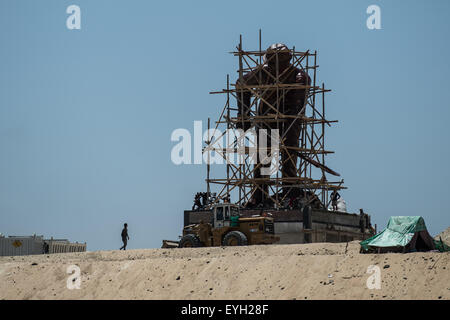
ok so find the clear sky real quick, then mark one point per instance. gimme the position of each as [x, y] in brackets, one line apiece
[86, 115]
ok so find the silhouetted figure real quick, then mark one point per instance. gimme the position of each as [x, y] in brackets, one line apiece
[292, 202]
[335, 196]
[204, 199]
[46, 247]
[197, 204]
[125, 237]
[251, 203]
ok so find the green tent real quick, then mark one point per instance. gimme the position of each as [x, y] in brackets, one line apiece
[402, 234]
[441, 246]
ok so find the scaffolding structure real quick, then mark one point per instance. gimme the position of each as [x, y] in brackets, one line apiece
[311, 170]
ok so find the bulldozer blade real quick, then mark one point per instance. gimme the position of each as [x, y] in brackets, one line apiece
[169, 244]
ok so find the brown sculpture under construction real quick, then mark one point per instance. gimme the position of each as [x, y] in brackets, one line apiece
[276, 89]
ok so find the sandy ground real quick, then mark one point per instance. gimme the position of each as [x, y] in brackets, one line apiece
[444, 235]
[303, 271]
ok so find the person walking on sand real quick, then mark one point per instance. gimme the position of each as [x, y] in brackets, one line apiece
[125, 237]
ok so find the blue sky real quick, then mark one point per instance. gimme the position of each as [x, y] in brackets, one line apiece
[86, 115]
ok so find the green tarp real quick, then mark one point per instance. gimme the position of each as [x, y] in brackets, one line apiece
[402, 233]
[441, 246]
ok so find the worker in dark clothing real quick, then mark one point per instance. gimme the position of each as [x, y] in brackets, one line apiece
[292, 202]
[46, 247]
[251, 203]
[335, 196]
[197, 204]
[204, 199]
[125, 237]
[277, 62]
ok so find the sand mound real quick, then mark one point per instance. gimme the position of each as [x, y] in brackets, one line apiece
[445, 235]
[306, 271]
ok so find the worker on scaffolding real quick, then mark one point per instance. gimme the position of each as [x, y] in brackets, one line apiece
[197, 204]
[335, 196]
[277, 68]
[204, 196]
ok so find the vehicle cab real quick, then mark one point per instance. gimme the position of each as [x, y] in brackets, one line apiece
[223, 213]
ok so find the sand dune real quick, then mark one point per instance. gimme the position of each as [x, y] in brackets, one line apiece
[304, 271]
[444, 235]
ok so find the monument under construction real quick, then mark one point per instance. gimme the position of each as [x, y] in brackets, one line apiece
[278, 90]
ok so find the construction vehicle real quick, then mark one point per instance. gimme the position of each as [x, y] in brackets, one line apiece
[227, 228]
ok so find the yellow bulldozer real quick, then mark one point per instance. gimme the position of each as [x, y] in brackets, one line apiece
[227, 228]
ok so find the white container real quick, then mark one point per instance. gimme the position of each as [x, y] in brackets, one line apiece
[20, 245]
